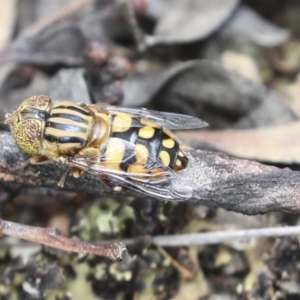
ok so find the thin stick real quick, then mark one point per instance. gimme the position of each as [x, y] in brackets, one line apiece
[187, 273]
[137, 32]
[51, 237]
[63, 13]
[216, 237]
[20, 49]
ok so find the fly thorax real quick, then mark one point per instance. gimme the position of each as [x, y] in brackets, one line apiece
[67, 129]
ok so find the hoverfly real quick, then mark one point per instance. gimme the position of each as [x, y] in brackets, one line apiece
[126, 148]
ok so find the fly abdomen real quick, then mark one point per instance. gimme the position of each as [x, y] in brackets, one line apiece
[143, 146]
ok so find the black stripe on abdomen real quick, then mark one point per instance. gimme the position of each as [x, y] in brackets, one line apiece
[152, 145]
[129, 138]
[153, 148]
[173, 152]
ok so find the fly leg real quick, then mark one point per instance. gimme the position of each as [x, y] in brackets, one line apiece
[109, 183]
[63, 178]
[36, 160]
[76, 172]
[84, 158]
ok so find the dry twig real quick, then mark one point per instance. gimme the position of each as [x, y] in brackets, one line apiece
[51, 237]
[44, 23]
[184, 271]
[137, 32]
[218, 180]
[217, 237]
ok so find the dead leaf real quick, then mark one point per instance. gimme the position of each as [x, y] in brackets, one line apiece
[69, 84]
[247, 24]
[241, 64]
[227, 98]
[7, 17]
[280, 144]
[292, 93]
[190, 20]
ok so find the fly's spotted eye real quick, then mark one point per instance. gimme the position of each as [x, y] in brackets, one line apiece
[41, 103]
[27, 134]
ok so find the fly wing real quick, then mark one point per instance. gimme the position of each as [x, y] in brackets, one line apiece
[170, 188]
[150, 177]
[171, 121]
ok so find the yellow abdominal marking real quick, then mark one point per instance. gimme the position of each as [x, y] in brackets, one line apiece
[114, 153]
[165, 157]
[178, 163]
[141, 153]
[138, 171]
[180, 153]
[146, 132]
[121, 123]
[168, 143]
